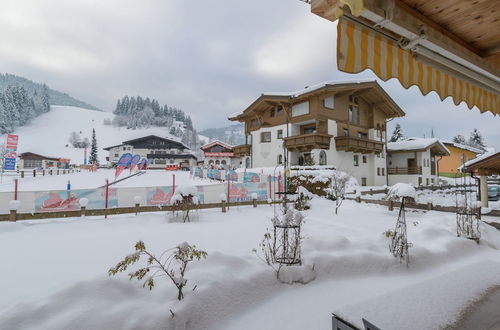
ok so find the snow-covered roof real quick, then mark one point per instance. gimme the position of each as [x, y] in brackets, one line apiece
[309, 89]
[208, 145]
[479, 158]
[413, 144]
[463, 146]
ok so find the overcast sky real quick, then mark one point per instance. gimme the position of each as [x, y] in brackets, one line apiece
[209, 57]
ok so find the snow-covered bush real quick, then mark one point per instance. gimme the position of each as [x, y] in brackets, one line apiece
[336, 191]
[316, 184]
[401, 190]
[172, 263]
[183, 202]
[303, 199]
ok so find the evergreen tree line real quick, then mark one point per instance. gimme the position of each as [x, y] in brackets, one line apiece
[18, 107]
[138, 112]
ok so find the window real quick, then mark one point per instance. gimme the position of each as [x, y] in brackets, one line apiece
[265, 137]
[362, 135]
[322, 157]
[211, 162]
[247, 162]
[124, 148]
[116, 155]
[32, 163]
[279, 110]
[346, 131]
[309, 130]
[383, 171]
[356, 160]
[223, 162]
[172, 161]
[162, 161]
[217, 162]
[354, 113]
[280, 134]
[364, 159]
[378, 171]
[273, 113]
[280, 159]
[427, 181]
[363, 181]
[419, 180]
[300, 109]
[329, 102]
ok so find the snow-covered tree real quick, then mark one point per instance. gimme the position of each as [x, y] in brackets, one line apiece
[460, 139]
[476, 140]
[397, 134]
[93, 159]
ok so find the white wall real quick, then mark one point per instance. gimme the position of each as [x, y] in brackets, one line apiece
[265, 154]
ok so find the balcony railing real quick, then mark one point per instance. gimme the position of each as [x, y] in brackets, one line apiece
[404, 170]
[307, 142]
[354, 144]
[242, 150]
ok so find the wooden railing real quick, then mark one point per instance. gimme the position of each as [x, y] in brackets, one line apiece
[354, 144]
[307, 142]
[242, 150]
[404, 170]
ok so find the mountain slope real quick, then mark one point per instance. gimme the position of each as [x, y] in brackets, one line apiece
[49, 133]
[56, 97]
[231, 134]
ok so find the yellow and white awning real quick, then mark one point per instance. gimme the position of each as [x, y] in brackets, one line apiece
[360, 47]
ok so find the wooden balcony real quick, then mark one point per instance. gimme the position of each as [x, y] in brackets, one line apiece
[307, 142]
[242, 150]
[404, 170]
[354, 144]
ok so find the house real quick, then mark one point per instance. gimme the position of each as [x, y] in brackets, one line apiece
[415, 161]
[341, 124]
[159, 150]
[218, 153]
[31, 160]
[459, 154]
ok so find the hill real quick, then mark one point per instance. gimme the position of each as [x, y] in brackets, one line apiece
[56, 97]
[49, 133]
[233, 134]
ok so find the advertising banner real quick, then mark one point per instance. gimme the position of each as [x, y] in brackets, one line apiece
[159, 195]
[243, 191]
[10, 152]
[123, 162]
[63, 200]
[251, 177]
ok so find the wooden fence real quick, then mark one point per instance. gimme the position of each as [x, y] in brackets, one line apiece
[14, 216]
[432, 188]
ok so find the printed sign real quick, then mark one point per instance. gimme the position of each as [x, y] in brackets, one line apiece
[243, 191]
[159, 195]
[251, 177]
[10, 152]
[63, 200]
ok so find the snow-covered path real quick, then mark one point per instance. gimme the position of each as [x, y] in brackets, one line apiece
[57, 272]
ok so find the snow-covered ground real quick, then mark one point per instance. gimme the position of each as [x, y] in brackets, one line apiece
[90, 180]
[49, 133]
[54, 272]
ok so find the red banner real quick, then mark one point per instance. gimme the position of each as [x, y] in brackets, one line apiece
[219, 154]
[12, 141]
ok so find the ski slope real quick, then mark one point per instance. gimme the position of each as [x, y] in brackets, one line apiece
[49, 133]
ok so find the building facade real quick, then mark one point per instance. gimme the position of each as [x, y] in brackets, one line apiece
[219, 154]
[415, 161]
[459, 154]
[160, 151]
[339, 124]
[30, 160]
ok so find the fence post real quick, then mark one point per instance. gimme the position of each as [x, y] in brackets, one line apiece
[15, 188]
[13, 215]
[270, 188]
[391, 205]
[22, 174]
[358, 199]
[50, 172]
[429, 205]
[34, 172]
[106, 200]
[228, 190]
[82, 211]
[68, 188]
[43, 172]
[254, 202]
[173, 184]
[57, 172]
[223, 206]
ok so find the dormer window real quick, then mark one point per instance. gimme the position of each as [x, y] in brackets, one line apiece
[279, 110]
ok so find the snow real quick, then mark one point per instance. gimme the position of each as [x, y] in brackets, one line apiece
[14, 205]
[187, 189]
[478, 158]
[402, 190]
[463, 146]
[49, 133]
[414, 144]
[83, 202]
[65, 283]
[314, 87]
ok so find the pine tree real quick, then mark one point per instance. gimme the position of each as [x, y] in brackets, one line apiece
[460, 139]
[397, 134]
[93, 159]
[476, 140]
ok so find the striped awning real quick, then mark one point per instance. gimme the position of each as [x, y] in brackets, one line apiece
[360, 47]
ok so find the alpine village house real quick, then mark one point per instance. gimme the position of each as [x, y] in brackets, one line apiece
[341, 124]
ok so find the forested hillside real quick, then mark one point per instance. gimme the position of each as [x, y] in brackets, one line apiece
[56, 97]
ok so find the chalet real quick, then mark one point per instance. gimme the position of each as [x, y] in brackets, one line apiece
[415, 161]
[218, 153]
[459, 154]
[160, 151]
[30, 160]
[341, 124]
